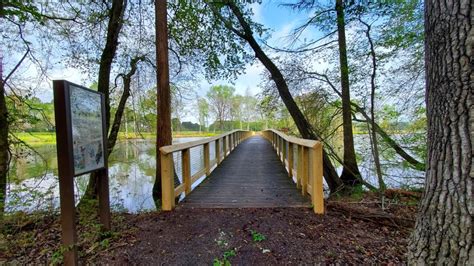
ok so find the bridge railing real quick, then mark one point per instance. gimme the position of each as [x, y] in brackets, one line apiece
[224, 144]
[303, 160]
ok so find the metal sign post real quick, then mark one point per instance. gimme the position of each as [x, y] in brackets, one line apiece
[81, 140]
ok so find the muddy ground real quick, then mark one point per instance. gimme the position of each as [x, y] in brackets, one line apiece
[350, 232]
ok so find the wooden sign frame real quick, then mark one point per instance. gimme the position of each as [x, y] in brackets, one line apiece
[67, 166]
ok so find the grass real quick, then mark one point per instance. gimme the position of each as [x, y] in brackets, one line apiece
[50, 137]
[37, 137]
[256, 236]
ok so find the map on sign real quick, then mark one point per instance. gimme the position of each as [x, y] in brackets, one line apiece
[87, 131]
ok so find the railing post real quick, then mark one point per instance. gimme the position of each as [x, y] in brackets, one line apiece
[317, 195]
[167, 184]
[234, 141]
[305, 169]
[284, 153]
[276, 143]
[207, 159]
[299, 172]
[218, 152]
[225, 146]
[186, 170]
[279, 147]
[290, 159]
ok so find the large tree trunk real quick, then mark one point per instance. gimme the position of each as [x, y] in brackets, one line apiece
[305, 129]
[113, 30]
[163, 134]
[443, 231]
[3, 144]
[350, 172]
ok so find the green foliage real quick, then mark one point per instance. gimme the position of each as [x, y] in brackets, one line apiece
[218, 262]
[203, 110]
[256, 236]
[200, 36]
[225, 258]
[229, 254]
[58, 256]
[29, 114]
[23, 10]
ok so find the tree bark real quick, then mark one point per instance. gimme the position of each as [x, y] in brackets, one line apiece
[385, 137]
[305, 129]
[443, 232]
[163, 134]
[350, 172]
[4, 155]
[113, 30]
[373, 134]
[388, 140]
[127, 80]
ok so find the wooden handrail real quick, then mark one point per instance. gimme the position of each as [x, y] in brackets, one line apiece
[229, 141]
[299, 141]
[195, 143]
[309, 159]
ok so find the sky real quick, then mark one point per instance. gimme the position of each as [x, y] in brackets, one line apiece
[279, 20]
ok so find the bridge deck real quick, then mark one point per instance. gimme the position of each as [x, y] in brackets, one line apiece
[251, 176]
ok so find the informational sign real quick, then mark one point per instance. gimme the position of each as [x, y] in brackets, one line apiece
[87, 129]
[81, 143]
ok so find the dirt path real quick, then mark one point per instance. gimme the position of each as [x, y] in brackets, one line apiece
[256, 236]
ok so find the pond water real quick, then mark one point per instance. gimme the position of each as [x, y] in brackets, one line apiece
[34, 182]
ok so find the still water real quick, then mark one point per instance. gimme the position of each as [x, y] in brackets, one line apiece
[34, 182]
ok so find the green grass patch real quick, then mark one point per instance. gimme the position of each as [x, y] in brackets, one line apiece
[41, 138]
[256, 236]
[37, 137]
[191, 134]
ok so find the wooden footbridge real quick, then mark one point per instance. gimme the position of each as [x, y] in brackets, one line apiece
[247, 169]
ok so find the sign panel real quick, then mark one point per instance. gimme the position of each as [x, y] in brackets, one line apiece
[87, 129]
[81, 141]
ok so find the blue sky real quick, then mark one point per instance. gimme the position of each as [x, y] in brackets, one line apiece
[278, 19]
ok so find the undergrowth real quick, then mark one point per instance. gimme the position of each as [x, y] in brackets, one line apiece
[36, 238]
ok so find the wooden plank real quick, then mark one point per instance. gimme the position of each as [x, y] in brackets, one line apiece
[213, 163]
[197, 175]
[305, 170]
[250, 176]
[218, 151]
[317, 194]
[299, 173]
[191, 144]
[279, 147]
[224, 148]
[178, 190]
[186, 170]
[290, 159]
[167, 182]
[303, 142]
[207, 163]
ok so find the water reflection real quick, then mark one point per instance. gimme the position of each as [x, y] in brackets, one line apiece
[34, 182]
